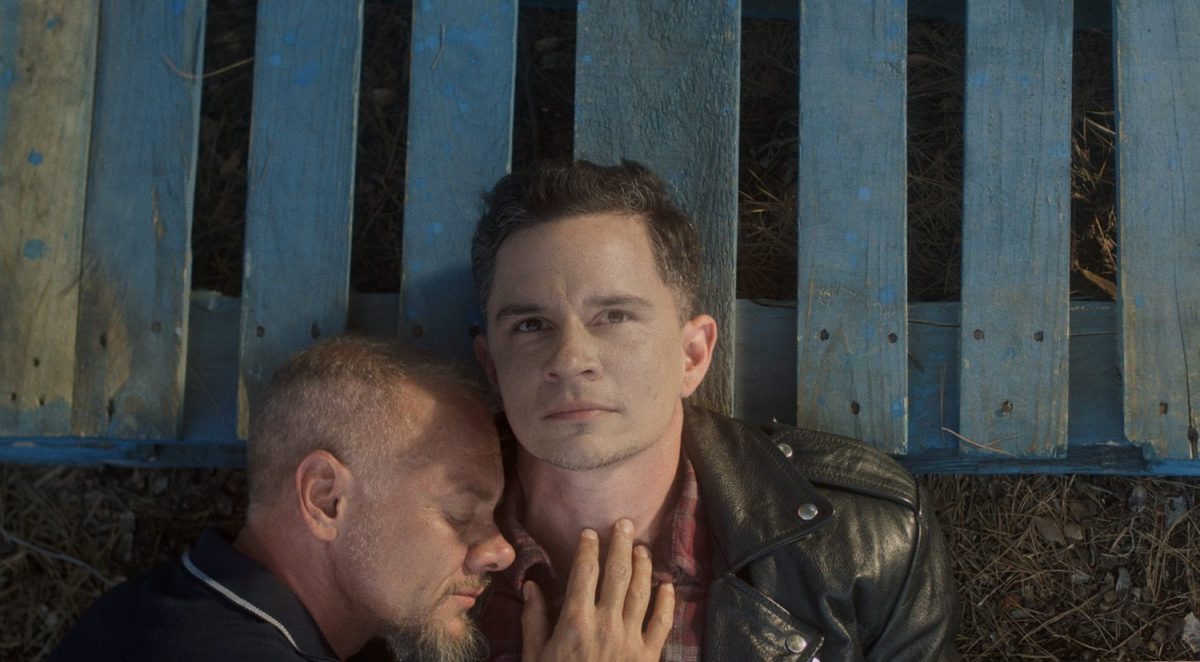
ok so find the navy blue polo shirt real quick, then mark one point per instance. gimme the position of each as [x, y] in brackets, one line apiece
[212, 604]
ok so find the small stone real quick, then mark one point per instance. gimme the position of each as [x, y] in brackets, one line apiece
[1073, 531]
[1191, 632]
[1177, 509]
[1137, 499]
[1080, 578]
[1124, 583]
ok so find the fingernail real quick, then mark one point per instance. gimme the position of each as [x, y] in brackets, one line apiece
[589, 534]
[641, 551]
[625, 525]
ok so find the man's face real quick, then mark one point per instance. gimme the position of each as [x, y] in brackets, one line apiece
[585, 341]
[423, 537]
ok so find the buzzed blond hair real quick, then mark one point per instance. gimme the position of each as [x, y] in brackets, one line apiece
[344, 395]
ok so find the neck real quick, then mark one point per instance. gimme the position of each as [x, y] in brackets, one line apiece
[560, 503]
[295, 562]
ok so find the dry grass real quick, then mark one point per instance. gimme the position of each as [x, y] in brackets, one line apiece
[1039, 559]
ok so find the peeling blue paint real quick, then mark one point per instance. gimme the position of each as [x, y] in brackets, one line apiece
[887, 295]
[35, 158]
[307, 74]
[34, 249]
[864, 193]
[54, 22]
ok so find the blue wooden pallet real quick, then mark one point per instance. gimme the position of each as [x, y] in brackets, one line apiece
[106, 357]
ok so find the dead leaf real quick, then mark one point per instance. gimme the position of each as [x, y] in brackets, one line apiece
[1137, 499]
[1109, 287]
[1049, 530]
[1073, 531]
[1191, 632]
[1176, 510]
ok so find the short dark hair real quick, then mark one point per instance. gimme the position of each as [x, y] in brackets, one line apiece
[342, 395]
[554, 190]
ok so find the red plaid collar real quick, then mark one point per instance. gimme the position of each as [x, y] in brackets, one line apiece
[681, 554]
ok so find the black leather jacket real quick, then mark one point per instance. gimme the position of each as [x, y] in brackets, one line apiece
[823, 548]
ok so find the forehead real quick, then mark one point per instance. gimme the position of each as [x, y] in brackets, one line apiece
[591, 250]
[450, 440]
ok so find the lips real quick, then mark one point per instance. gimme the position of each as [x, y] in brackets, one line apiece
[577, 410]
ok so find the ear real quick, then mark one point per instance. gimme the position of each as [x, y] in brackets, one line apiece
[322, 484]
[485, 358]
[699, 339]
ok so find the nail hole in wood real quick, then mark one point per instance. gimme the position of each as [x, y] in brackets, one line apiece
[1162, 408]
[103, 341]
[315, 331]
[978, 334]
[823, 335]
[418, 330]
[259, 332]
[13, 397]
[892, 338]
[112, 407]
[1038, 336]
[156, 326]
[1006, 408]
[41, 401]
[36, 362]
[854, 408]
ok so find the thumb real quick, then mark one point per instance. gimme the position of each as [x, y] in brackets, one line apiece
[534, 626]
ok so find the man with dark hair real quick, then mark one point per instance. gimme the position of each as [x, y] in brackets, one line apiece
[781, 543]
[374, 471]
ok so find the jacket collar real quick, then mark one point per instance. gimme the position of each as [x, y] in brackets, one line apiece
[755, 498]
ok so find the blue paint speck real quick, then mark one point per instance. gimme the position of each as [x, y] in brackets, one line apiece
[35, 158]
[898, 408]
[585, 58]
[34, 249]
[879, 55]
[977, 79]
[54, 22]
[431, 42]
[864, 193]
[274, 60]
[1139, 301]
[417, 266]
[851, 238]
[307, 74]
[289, 37]
[581, 7]
[426, 6]
[1024, 81]
[868, 333]
[463, 106]
[853, 261]
[7, 78]
[887, 295]
[178, 6]
[437, 228]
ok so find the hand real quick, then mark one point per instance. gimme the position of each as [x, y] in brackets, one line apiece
[604, 626]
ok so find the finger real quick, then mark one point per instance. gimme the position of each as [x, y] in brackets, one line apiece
[535, 628]
[638, 598]
[581, 585]
[616, 567]
[664, 615]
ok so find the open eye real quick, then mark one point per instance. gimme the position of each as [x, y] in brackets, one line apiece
[616, 316]
[528, 325]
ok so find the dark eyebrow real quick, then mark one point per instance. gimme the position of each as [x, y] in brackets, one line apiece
[517, 310]
[619, 301]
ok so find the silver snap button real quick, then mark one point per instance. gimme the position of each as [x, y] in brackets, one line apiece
[795, 643]
[807, 511]
[786, 450]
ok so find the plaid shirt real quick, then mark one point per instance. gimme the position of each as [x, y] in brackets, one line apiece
[680, 556]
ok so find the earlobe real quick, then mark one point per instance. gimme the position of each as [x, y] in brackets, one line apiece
[484, 358]
[322, 483]
[699, 339]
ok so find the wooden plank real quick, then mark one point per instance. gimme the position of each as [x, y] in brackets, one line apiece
[299, 207]
[133, 301]
[851, 338]
[1016, 228]
[1158, 133]
[657, 82]
[459, 144]
[47, 70]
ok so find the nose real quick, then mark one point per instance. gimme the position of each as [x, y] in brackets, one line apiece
[574, 354]
[492, 553]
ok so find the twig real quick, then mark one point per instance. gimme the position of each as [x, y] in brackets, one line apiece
[58, 556]
[185, 75]
[977, 444]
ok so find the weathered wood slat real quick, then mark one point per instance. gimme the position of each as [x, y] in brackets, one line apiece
[459, 144]
[1016, 229]
[296, 277]
[132, 334]
[1158, 151]
[657, 82]
[47, 70]
[852, 289]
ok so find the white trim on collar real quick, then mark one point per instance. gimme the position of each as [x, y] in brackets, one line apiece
[237, 599]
